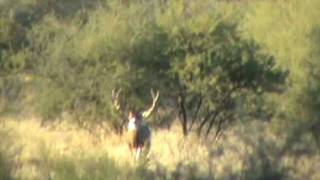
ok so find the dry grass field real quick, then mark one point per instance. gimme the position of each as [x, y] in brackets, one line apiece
[62, 150]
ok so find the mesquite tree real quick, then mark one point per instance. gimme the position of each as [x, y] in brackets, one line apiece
[214, 72]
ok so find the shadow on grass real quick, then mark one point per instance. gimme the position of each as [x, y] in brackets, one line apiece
[69, 168]
[4, 169]
[94, 168]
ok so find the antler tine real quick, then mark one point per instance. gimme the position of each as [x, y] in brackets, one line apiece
[154, 101]
[115, 98]
[118, 93]
[113, 93]
[154, 97]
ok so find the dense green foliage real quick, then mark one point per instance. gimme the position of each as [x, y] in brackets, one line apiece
[289, 32]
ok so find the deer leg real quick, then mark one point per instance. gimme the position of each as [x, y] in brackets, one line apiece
[138, 152]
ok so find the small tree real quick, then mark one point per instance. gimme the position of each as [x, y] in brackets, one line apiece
[213, 72]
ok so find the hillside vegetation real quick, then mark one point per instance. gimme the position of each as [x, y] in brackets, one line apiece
[238, 81]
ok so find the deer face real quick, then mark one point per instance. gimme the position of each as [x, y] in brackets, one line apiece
[135, 120]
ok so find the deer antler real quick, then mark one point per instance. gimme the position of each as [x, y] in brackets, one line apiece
[115, 98]
[155, 98]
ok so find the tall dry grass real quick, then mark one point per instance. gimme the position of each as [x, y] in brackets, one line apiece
[31, 149]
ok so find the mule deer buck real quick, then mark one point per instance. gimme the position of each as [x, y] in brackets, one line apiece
[139, 133]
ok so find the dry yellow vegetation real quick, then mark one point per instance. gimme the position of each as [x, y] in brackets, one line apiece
[62, 150]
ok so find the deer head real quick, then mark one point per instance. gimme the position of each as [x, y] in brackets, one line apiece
[135, 117]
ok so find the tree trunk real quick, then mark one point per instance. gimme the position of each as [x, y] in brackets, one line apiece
[213, 120]
[205, 120]
[183, 114]
[195, 115]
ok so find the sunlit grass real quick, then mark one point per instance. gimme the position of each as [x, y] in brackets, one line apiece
[62, 150]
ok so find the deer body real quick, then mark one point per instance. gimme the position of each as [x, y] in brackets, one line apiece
[139, 133]
[139, 138]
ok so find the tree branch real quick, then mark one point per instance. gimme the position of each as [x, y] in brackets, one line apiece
[196, 112]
